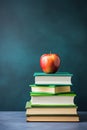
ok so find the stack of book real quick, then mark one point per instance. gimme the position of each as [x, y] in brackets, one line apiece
[52, 98]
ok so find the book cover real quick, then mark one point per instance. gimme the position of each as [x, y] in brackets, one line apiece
[29, 105]
[50, 85]
[50, 94]
[54, 74]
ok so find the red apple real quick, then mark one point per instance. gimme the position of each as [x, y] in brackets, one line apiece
[50, 63]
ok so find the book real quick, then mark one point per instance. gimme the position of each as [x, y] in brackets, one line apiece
[59, 110]
[60, 78]
[52, 98]
[46, 98]
[63, 118]
[50, 88]
[51, 111]
[29, 104]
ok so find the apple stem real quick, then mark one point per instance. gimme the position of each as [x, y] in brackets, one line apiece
[50, 52]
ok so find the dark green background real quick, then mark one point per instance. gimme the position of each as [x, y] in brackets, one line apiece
[30, 28]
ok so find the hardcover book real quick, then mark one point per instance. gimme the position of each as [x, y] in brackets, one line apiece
[46, 98]
[60, 78]
[63, 118]
[50, 88]
[46, 110]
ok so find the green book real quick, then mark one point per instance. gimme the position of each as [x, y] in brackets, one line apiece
[54, 89]
[60, 78]
[48, 98]
[50, 109]
[53, 84]
[50, 94]
[49, 85]
[54, 74]
[30, 105]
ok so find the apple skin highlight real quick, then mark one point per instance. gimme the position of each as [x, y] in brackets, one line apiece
[50, 63]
